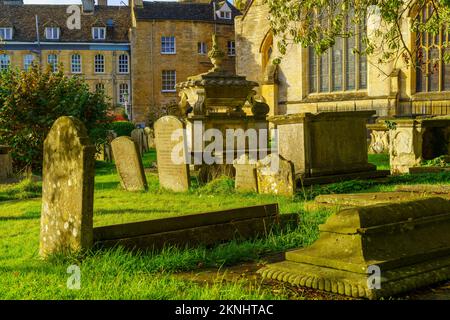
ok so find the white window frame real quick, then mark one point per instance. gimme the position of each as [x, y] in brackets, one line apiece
[53, 64]
[231, 48]
[121, 65]
[27, 62]
[166, 45]
[99, 64]
[224, 14]
[6, 33]
[5, 62]
[97, 31]
[100, 84]
[78, 64]
[50, 33]
[166, 76]
[121, 92]
[202, 48]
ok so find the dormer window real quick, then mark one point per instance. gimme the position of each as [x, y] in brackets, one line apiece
[99, 33]
[6, 33]
[225, 15]
[224, 12]
[52, 33]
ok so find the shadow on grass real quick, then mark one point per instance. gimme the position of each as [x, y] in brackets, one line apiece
[29, 215]
[131, 211]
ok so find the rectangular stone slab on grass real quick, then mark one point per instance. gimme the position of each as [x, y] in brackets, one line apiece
[408, 241]
[366, 199]
[425, 188]
[205, 228]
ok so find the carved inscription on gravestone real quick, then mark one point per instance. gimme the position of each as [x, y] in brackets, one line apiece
[171, 149]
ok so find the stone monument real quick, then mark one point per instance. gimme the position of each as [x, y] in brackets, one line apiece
[375, 251]
[246, 179]
[67, 189]
[216, 100]
[276, 176]
[326, 147]
[415, 140]
[129, 164]
[173, 161]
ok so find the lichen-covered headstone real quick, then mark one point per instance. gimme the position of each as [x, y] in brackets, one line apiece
[276, 176]
[171, 148]
[67, 188]
[129, 164]
[245, 180]
[137, 135]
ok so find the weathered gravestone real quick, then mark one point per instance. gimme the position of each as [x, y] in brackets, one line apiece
[6, 171]
[246, 180]
[375, 251]
[67, 188]
[137, 135]
[129, 164]
[276, 176]
[150, 135]
[173, 168]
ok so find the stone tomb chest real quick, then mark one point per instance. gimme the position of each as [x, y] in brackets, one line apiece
[325, 144]
[415, 140]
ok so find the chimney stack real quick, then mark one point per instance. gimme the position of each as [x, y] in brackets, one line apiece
[102, 2]
[13, 2]
[87, 6]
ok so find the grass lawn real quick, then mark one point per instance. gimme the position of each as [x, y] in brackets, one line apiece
[116, 274]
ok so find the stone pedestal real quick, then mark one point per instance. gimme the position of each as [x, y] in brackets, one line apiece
[6, 172]
[415, 140]
[324, 144]
[373, 252]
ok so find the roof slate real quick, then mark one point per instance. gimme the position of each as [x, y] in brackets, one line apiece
[22, 19]
[165, 10]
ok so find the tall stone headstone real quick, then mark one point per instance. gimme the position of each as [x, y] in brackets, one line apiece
[67, 188]
[276, 176]
[246, 180]
[6, 171]
[171, 150]
[129, 164]
[137, 135]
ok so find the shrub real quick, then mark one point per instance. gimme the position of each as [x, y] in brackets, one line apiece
[122, 128]
[30, 102]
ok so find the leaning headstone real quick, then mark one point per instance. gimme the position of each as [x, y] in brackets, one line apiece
[373, 252]
[6, 172]
[67, 189]
[173, 169]
[137, 135]
[276, 176]
[129, 164]
[246, 180]
[150, 135]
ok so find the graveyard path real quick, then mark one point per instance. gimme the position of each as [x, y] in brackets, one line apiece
[246, 273]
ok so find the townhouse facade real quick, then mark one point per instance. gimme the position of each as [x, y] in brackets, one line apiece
[99, 50]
